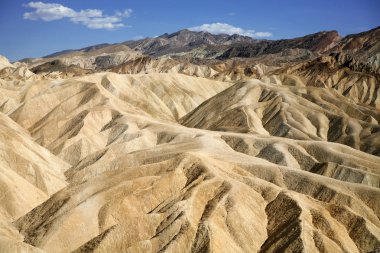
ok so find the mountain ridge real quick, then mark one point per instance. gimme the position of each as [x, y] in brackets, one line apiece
[186, 46]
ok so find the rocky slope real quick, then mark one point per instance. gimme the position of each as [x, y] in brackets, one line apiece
[101, 57]
[4, 63]
[183, 41]
[29, 176]
[318, 43]
[230, 70]
[302, 113]
[363, 50]
[329, 72]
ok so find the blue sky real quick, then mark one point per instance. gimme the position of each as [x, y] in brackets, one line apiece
[37, 28]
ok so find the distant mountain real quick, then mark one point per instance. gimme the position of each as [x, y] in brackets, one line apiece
[183, 41]
[360, 52]
[226, 46]
[317, 42]
[363, 42]
[85, 49]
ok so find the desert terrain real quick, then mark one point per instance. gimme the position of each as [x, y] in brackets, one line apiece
[193, 142]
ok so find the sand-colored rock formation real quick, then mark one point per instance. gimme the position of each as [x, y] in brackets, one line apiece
[4, 63]
[228, 71]
[29, 174]
[330, 72]
[88, 59]
[304, 113]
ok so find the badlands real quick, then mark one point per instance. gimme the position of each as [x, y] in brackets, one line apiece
[193, 142]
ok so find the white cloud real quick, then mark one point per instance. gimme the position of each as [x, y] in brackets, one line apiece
[263, 34]
[92, 18]
[48, 11]
[110, 22]
[126, 13]
[222, 28]
[138, 37]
